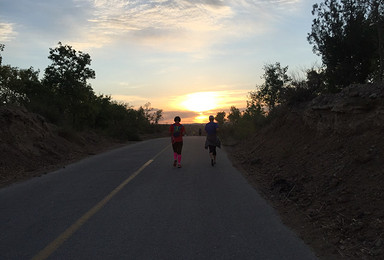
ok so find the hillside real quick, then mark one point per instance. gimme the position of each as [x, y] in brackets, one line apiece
[30, 146]
[321, 166]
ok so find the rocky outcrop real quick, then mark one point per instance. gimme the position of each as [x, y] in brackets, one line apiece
[351, 111]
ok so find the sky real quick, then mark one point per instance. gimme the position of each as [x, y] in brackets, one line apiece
[190, 58]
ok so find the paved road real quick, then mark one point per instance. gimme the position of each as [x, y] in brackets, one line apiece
[130, 203]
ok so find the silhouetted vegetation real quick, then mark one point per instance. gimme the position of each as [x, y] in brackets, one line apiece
[348, 35]
[65, 98]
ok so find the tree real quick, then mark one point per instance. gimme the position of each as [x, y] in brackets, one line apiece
[19, 86]
[67, 77]
[64, 97]
[276, 79]
[377, 21]
[254, 110]
[234, 115]
[152, 117]
[220, 118]
[157, 116]
[303, 90]
[344, 35]
[68, 65]
[1, 49]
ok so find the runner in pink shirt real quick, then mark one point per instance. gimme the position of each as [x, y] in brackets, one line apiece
[177, 131]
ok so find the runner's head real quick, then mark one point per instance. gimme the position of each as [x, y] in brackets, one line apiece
[211, 118]
[177, 119]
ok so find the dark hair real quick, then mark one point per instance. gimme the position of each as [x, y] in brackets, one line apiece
[177, 118]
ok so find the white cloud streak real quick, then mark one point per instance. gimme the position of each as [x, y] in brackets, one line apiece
[176, 26]
[7, 32]
[180, 25]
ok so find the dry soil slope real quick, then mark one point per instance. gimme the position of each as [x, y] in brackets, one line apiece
[321, 165]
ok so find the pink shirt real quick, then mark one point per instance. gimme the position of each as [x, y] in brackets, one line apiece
[177, 131]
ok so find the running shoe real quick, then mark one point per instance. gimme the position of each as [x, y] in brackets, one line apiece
[179, 165]
[212, 163]
[174, 163]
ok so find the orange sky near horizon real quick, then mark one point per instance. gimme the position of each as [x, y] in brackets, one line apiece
[194, 107]
[198, 106]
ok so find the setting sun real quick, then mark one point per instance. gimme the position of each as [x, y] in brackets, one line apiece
[200, 101]
[201, 118]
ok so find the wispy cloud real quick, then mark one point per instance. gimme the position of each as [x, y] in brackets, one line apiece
[164, 25]
[135, 101]
[180, 25]
[174, 25]
[7, 32]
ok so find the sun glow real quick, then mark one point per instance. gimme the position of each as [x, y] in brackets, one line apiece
[196, 107]
[201, 118]
[200, 101]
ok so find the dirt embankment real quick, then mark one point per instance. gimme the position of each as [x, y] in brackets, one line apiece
[29, 146]
[322, 167]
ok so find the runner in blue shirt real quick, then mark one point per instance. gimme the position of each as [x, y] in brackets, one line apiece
[212, 140]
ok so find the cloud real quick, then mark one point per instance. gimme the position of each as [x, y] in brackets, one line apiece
[135, 101]
[228, 98]
[174, 25]
[7, 32]
[180, 25]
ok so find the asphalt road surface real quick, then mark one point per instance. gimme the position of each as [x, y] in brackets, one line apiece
[130, 203]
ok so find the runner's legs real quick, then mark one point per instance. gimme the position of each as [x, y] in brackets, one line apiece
[177, 147]
[212, 154]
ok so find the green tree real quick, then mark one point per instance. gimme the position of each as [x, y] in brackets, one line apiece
[377, 21]
[23, 87]
[152, 115]
[234, 115]
[2, 46]
[344, 35]
[123, 122]
[157, 116]
[302, 90]
[220, 118]
[67, 77]
[254, 110]
[271, 91]
[19, 86]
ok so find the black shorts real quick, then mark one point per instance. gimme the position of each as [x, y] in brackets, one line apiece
[212, 149]
[177, 147]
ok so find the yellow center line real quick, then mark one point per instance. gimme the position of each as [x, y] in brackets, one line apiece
[55, 244]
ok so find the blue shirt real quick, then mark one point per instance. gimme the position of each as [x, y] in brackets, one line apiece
[211, 127]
